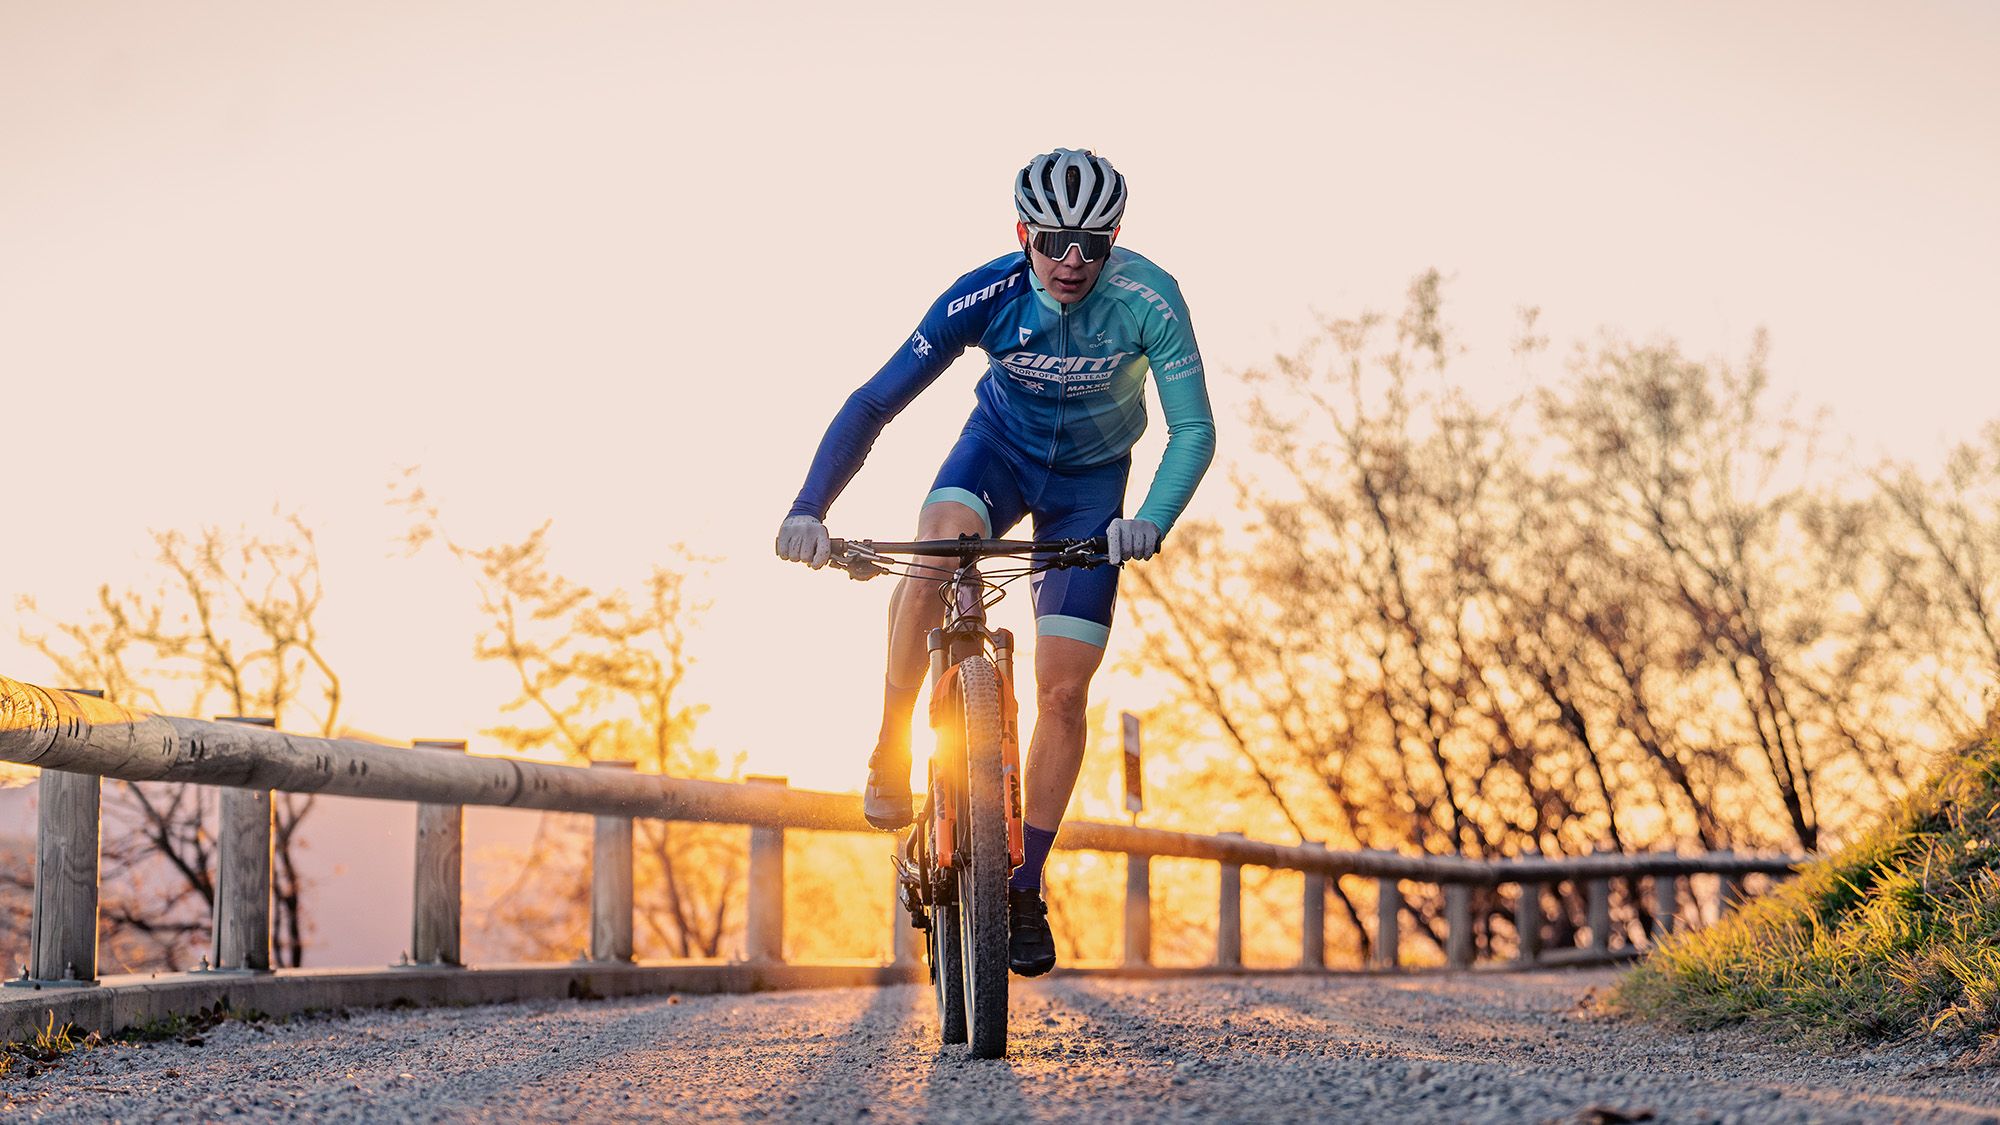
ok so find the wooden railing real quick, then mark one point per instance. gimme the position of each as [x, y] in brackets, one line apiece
[77, 740]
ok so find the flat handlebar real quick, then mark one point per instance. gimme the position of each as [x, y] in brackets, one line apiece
[971, 547]
[863, 559]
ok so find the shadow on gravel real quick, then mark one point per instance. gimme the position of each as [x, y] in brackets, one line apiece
[1134, 1032]
[857, 1069]
[960, 1087]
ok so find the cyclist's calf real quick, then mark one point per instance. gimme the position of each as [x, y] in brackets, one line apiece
[1063, 668]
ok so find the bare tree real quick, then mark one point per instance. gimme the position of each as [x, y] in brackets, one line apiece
[600, 676]
[231, 624]
[1353, 651]
[1953, 519]
[1642, 612]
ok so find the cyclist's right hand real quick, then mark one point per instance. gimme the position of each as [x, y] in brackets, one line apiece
[803, 539]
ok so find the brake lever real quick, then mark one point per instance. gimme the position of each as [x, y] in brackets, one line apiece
[1082, 554]
[860, 567]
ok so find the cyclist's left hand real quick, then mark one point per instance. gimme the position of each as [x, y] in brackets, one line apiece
[803, 539]
[1131, 539]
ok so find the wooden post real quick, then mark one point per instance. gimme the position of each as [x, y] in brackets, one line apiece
[1598, 893]
[62, 942]
[1666, 905]
[1388, 923]
[434, 938]
[1138, 909]
[1458, 918]
[1528, 924]
[1229, 915]
[765, 930]
[243, 874]
[1312, 918]
[611, 881]
[1730, 893]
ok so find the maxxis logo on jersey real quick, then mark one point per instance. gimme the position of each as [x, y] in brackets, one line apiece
[960, 304]
[1147, 292]
[1179, 369]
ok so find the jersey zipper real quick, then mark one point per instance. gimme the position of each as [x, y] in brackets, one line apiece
[1062, 383]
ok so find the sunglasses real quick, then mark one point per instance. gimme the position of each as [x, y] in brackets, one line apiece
[1055, 242]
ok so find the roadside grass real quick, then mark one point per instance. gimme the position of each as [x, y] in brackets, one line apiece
[190, 1029]
[1895, 937]
[49, 1045]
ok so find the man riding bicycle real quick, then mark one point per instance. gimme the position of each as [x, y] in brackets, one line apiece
[1070, 327]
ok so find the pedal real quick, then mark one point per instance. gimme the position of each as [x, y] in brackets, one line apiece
[910, 893]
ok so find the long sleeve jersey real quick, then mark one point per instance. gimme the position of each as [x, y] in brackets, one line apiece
[1064, 384]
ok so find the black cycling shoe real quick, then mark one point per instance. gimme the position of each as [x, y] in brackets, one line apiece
[886, 800]
[1031, 948]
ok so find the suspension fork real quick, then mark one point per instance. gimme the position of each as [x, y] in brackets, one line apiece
[1010, 745]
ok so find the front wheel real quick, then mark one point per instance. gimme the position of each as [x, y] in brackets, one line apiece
[983, 865]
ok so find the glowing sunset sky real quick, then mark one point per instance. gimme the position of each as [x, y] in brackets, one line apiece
[617, 264]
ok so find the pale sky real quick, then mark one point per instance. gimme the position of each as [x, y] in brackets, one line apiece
[617, 264]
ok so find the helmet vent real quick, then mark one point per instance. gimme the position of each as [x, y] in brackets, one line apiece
[1070, 188]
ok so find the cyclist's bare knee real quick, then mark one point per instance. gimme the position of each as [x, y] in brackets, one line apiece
[948, 519]
[916, 604]
[1063, 670]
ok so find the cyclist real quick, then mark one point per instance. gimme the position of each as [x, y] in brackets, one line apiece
[1070, 327]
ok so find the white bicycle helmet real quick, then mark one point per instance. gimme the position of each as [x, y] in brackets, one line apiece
[1071, 188]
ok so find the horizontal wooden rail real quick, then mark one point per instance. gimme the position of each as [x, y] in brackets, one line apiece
[62, 731]
[59, 730]
[1101, 837]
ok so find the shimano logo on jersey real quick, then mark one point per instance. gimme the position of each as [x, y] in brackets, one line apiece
[919, 345]
[1145, 291]
[960, 304]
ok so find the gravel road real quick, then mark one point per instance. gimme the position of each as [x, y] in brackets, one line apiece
[1466, 1047]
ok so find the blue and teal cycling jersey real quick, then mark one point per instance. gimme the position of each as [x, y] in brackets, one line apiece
[1064, 384]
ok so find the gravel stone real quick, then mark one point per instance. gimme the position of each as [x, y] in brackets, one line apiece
[1479, 1047]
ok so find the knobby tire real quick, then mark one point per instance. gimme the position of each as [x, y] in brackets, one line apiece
[984, 864]
[947, 973]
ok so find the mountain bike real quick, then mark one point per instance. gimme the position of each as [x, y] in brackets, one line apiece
[953, 865]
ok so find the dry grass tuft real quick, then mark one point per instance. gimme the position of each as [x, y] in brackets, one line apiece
[1895, 937]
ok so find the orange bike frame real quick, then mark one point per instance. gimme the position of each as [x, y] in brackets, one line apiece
[947, 766]
[1010, 763]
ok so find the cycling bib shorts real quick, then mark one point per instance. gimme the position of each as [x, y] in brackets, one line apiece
[992, 478]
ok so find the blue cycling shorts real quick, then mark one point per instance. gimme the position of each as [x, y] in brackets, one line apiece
[986, 474]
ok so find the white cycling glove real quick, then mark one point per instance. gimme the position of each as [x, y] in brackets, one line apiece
[1131, 539]
[803, 539]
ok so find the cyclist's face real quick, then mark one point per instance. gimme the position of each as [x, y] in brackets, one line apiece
[1069, 280]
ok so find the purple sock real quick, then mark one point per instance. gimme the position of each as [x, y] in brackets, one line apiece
[1035, 844]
